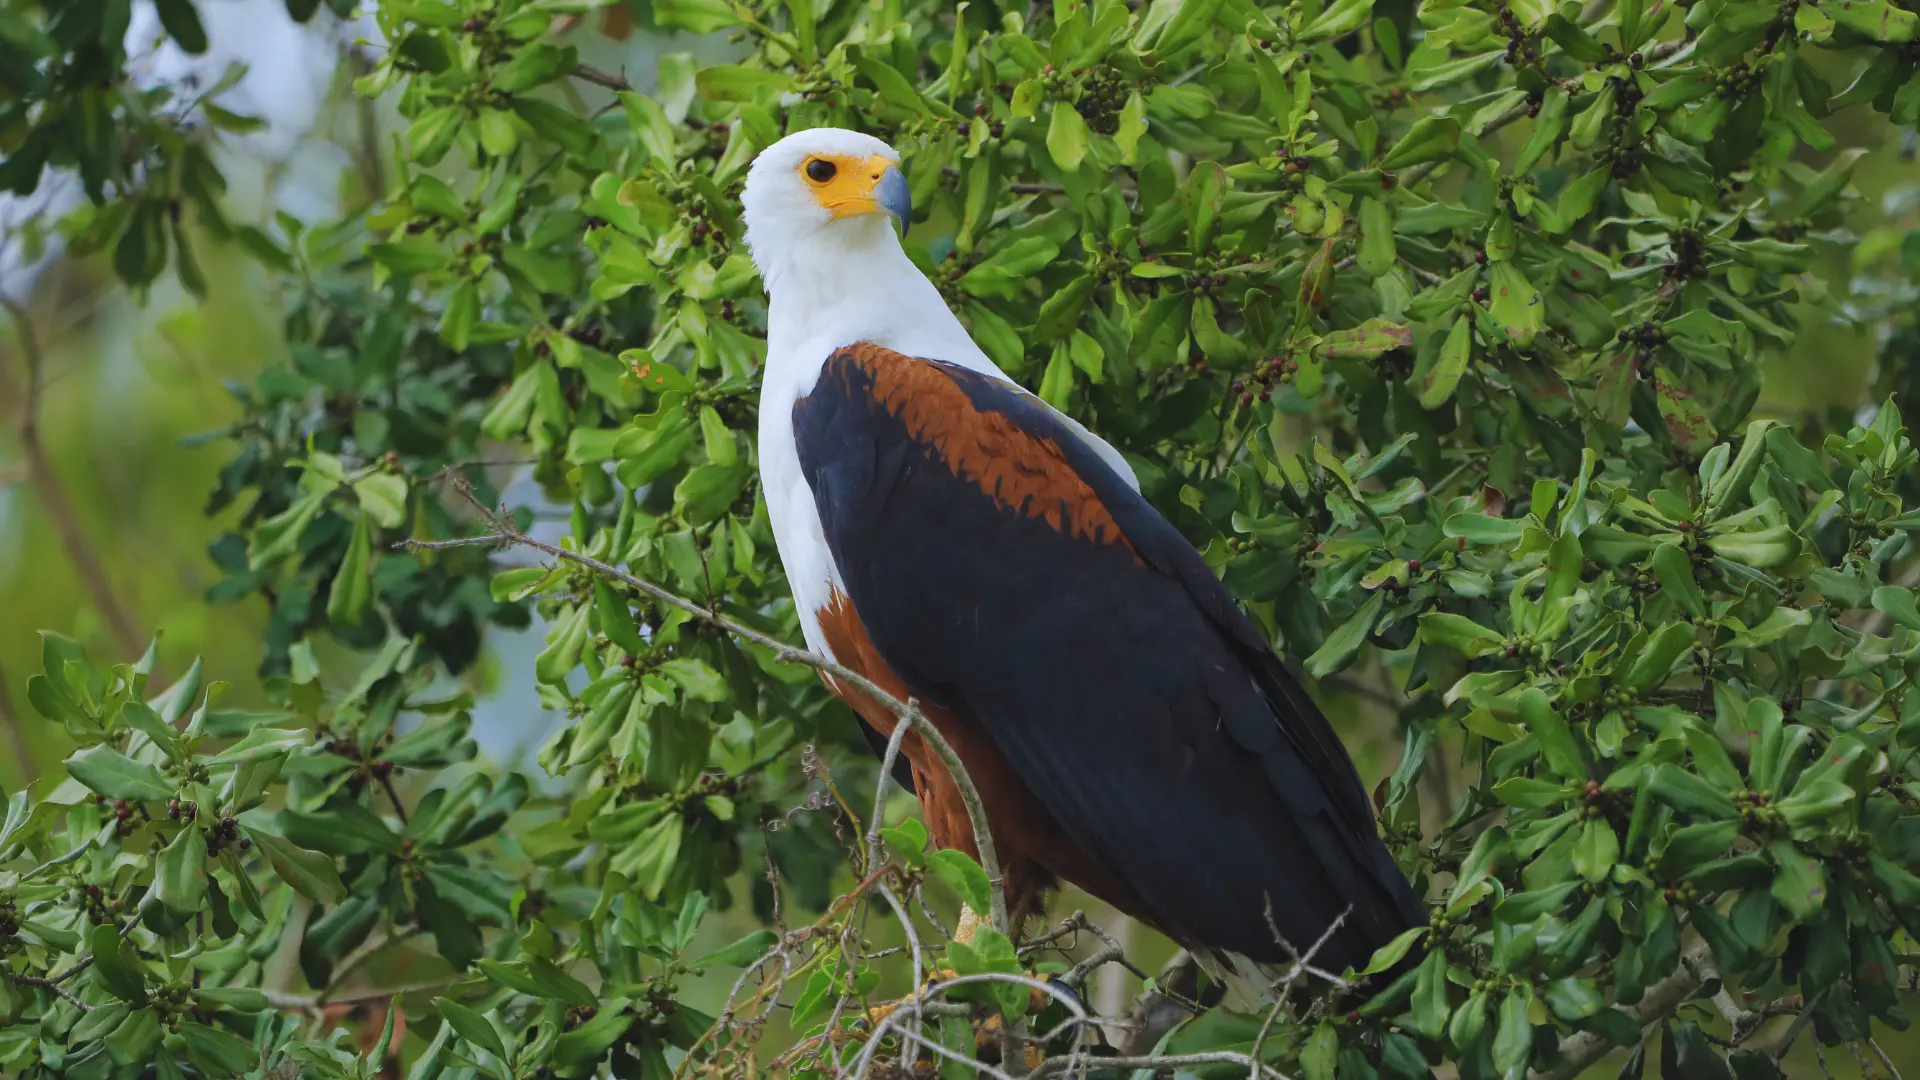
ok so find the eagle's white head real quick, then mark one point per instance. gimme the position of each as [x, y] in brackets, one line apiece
[823, 193]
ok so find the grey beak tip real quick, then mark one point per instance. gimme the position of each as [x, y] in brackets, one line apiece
[894, 198]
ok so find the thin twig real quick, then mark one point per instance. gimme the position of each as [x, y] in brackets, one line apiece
[56, 988]
[598, 77]
[52, 494]
[399, 808]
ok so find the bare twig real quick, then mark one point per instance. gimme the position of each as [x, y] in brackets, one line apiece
[52, 494]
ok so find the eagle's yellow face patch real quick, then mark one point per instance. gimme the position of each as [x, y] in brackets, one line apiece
[845, 184]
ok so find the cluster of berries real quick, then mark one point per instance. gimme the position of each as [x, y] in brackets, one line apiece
[1102, 95]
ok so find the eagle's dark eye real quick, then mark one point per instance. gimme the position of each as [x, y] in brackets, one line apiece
[820, 170]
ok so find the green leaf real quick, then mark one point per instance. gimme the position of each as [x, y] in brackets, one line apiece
[1459, 633]
[1388, 955]
[470, 1025]
[1340, 17]
[1322, 1051]
[216, 1052]
[1056, 384]
[1555, 737]
[352, 593]
[1527, 792]
[1597, 850]
[1204, 194]
[1675, 570]
[737, 82]
[1469, 1022]
[1438, 381]
[1574, 999]
[118, 967]
[1366, 341]
[1067, 136]
[311, 874]
[1694, 845]
[1517, 307]
[182, 24]
[539, 978]
[1657, 657]
[1897, 604]
[1430, 69]
[1686, 792]
[909, 838]
[1481, 530]
[565, 641]
[696, 678]
[342, 827]
[616, 618]
[1513, 1038]
[1876, 19]
[238, 998]
[383, 495]
[108, 772]
[1341, 645]
[741, 953]
[578, 1050]
[1799, 885]
[964, 877]
[279, 536]
[1430, 1009]
[180, 873]
[1429, 139]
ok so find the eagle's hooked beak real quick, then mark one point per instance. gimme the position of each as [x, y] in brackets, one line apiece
[892, 196]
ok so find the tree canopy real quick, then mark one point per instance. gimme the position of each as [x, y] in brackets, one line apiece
[1439, 329]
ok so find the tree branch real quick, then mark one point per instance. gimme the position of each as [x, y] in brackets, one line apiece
[505, 532]
[53, 495]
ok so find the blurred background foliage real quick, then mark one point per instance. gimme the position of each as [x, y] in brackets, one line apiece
[129, 533]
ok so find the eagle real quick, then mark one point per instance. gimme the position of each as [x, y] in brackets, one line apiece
[958, 541]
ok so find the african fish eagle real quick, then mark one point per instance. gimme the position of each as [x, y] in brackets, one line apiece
[957, 540]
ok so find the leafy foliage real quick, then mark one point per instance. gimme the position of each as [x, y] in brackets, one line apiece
[1439, 330]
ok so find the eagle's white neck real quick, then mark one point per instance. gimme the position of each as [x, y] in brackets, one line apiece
[850, 281]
